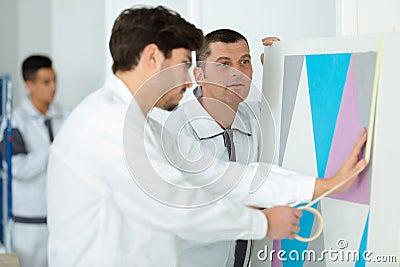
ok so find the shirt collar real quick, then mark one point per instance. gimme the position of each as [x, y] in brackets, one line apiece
[243, 118]
[54, 110]
[205, 126]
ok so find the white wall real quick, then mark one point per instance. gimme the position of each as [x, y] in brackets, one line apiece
[286, 19]
[378, 16]
[8, 38]
[76, 33]
[79, 48]
[33, 35]
[368, 16]
[23, 32]
[71, 32]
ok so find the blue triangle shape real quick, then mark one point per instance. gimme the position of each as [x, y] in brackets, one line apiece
[326, 79]
[363, 245]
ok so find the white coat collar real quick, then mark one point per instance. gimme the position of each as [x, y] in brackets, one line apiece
[54, 111]
[119, 89]
[205, 126]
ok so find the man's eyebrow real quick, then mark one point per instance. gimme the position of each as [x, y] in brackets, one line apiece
[223, 58]
[246, 55]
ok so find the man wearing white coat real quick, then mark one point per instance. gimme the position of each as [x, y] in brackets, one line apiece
[216, 117]
[109, 202]
[34, 125]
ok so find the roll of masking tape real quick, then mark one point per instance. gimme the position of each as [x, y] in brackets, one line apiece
[320, 225]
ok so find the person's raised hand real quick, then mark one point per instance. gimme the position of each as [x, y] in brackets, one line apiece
[345, 174]
[267, 41]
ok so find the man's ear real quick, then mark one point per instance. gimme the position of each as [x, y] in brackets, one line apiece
[29, 85]
[152, 56]
[199, 75]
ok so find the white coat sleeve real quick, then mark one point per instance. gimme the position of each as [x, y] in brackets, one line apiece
[256, 184]
[272, 186]
[222, 220]
[275, 185]
[28, 166]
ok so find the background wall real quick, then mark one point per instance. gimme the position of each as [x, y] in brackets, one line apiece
[75, 33]
[23, 32]
[367, 16]
[71, 32]
[78, 47]
[288, 20]
[8, 37]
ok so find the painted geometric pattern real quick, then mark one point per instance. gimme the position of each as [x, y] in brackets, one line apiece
[325, 103]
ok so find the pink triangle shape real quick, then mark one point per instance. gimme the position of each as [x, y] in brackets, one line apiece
[347, 128]
[277, 246]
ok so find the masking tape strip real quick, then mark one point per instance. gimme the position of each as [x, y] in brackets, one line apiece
[368, 146]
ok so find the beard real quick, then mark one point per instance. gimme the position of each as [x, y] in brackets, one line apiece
[170, 102]
[171, 107]
[168, 105]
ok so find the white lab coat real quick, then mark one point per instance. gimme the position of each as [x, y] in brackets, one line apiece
[99, 216]
[203, 130]
[29, 180]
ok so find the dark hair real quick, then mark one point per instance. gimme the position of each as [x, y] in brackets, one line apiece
[32, 64]
[222, 35]
[135, 28]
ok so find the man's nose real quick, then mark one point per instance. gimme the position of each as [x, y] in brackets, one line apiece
[235, 69]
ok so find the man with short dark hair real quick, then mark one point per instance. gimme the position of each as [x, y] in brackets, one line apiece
[100, 213]
[230, 49]
[35, 123]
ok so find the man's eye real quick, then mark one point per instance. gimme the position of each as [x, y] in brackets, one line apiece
[223, 64]
[188, 65]
[245, 62]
